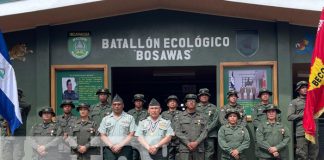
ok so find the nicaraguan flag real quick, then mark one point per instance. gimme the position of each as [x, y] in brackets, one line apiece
[9, 107]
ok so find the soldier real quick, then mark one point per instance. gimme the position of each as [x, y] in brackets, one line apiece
[272, 136]
[232, 104]
[304, 149]
[172, 114]
[138, 112]
[101, 109]
[65, 121]
[191, 129]
[45, 136]
[82, 131]
[13, 147]
[233, 139]
[154, 132]
[116, 131]
[210, 111]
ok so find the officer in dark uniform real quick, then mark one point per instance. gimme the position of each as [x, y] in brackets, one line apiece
[82, 133]
[13, 147]
[233, 139]
[210, 111]
[191, 129]
[232, 104]
[45, 136]
[65, 121]
[101, 109]
[172, 114]
[154, 133]
[272, 136]
[304, 148]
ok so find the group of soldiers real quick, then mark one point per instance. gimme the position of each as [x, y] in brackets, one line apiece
[192, 134]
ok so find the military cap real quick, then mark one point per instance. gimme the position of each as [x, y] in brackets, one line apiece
[174, 97]
[203, 91]
[139, 97]
[117, 98]
[103, 90]
[230, 111]
[232, 92]
[154, 102]
[300, 84]
[20, 92]
[271, 107]
[83, 105]
[46, 110]
[67, 102]
[190, 96]
[264, 90]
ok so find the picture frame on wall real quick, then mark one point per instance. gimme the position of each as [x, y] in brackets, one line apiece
[247, 78]
[78, 83]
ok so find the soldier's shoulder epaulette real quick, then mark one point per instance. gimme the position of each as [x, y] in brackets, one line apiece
[227, 125]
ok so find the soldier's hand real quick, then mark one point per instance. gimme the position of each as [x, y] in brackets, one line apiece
[272, 149]
[116, 148]
[189, 146]
[65, 136]
[41, 149]
[152, 150]
[235, 153]
[82, 149]
[275, 154]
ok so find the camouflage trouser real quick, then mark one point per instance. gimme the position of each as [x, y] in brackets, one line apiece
[305, 150]
[13, 149]
[190, 155]
[210, 148]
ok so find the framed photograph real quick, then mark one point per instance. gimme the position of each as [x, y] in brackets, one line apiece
[247, 78]
[78, 83]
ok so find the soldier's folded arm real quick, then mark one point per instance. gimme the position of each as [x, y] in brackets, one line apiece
[292, 115]
[221, 141]
[246, 142]
[260, 138]
[285, 140]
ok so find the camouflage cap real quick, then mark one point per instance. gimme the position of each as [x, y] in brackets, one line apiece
[83, 105]
[103, 90]
[154, 102]
[67, 102]
[172, 97]
[271, 107]
[300, 84]
[264, 90]
[20, 92]
[117, 98]
[46, 110]
[203, 91]
[230, 111]
[232, 92]
[190, 96]
[139, 97]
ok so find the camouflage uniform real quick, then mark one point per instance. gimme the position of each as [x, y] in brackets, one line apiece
[210, 111]
[232, 137]
[227, 107]
[304, 149]
[191, 127]
[100, 110]
[272, 135]
[47, 134]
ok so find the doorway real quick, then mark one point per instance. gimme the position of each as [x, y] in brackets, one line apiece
[160, 82]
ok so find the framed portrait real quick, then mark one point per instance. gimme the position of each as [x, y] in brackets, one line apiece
[247, 78]
[78, 83]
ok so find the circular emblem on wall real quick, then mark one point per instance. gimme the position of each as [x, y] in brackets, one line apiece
[247, 42]
[79, 44]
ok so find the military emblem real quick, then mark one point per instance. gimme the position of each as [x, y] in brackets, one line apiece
[247, 42]
[2, 72]
[79, 44]
[19, 51]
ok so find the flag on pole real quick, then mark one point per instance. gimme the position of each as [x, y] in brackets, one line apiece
[9, 106]
[315, 94]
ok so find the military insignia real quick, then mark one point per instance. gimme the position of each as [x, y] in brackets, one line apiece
[305, 45]
[79, 44]
[282, 131]
[198, 122]
[52, 132]
[209, 113]
[247, 42]
[2, 73]
[91, 130]
[163, 125]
